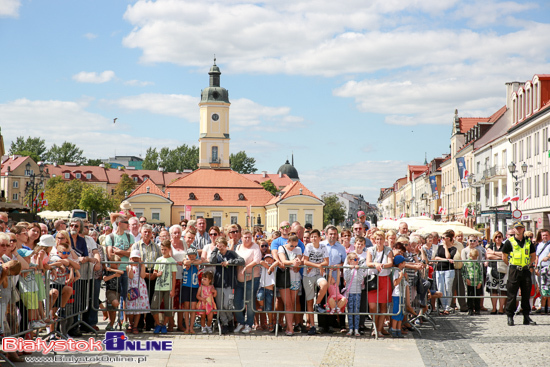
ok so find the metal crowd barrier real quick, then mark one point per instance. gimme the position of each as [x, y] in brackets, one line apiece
[339, 282]
[175, 303]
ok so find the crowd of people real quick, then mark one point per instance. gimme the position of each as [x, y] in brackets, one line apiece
[303, 279]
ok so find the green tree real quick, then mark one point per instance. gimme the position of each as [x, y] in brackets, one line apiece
[270, 186]
[96, 198]
[64, 195]
[93, 162]
[333, 210]
[125, 186]
[34, 147]
[180, 158]
[67, 152]
[151, 160]
[242, 163]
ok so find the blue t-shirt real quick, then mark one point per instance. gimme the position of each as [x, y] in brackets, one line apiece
[283, 241]
[190, 278]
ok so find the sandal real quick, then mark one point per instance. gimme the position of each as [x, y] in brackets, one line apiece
[135, 330]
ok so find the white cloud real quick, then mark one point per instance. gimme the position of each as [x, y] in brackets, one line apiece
[245, 114]
[483, 12]
[9, 8]
[90, 36]
[93, 77]
[59, 121]
[138, 83]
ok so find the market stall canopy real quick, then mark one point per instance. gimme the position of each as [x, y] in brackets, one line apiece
[441, 227]
[48, 214]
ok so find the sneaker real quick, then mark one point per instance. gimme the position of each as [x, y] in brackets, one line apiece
[357, 333]
[338, 310]
[312, 331]
[332, 311]
[157, 330]
[238, 328]
[204, 330]
[318, 308]
[209, 329]
[61, 313]
[246, 330]
[109, 327]
[163, 329]
[37, 325]
[350, 332]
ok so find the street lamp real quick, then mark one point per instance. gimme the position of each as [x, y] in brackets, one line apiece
[512, 169]
[33, 186]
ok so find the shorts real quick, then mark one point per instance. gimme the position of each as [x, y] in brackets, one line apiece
[309, 285]
[396, 310]
[188, 294]
[267, 295]
[158, 296]
[112, 296]
[545, 292]
[59, 288]
[30, 300]
[295, 285]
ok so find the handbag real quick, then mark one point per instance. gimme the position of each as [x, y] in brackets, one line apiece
[282, 277]
[502, 267]
[133, 294]
[371, 282]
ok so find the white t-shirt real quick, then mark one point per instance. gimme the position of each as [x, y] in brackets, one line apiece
[396, 291]
[294, 275]
[179, 256]
[85, 271]
[316, 256]
[267, 279]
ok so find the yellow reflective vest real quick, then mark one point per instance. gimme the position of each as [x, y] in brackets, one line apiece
[520, 256]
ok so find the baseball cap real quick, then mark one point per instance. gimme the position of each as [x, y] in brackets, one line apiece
[135, 253]
[360, 214]
[398, 260]
[518, 225]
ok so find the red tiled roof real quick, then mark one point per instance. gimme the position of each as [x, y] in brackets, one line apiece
[279, 182]
[98, 173]
[466, 123]
[114, 175]
[205, 183]
[495, 116]
[12, 163]
[142, 189]
[292, 189]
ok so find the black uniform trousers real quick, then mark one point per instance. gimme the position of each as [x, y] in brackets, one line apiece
[518, 279]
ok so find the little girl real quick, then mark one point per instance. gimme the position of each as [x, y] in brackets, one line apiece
[206, 304]
[397, 318]
[139, 305]
[353, 275]
[336, 302]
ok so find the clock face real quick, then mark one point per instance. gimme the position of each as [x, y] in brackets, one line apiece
[215, 117]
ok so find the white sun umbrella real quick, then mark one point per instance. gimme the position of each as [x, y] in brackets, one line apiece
[387, 224]
[441, 227]
[415, 223]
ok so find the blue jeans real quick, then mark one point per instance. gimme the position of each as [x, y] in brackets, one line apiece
[251, 288]
[444, 280]
[266, 295]
[354, 300]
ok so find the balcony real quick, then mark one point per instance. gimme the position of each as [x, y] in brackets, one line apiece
[495, 173]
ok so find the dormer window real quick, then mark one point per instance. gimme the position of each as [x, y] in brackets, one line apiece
[88, 176]
[67, 175]
[135, 178]
[192, 196]
[241, 196]
[216, 196]
[78, 175]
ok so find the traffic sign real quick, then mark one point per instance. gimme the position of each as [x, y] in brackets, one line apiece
[516, 214]
[539, 222]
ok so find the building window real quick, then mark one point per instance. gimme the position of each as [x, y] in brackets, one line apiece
[309, 217]
[528, 188]
[192, 196]
[15, 184]
[112, 191]
[537, 193]
[15, 196]
[545, 184]
[67, 175]
[214, 154]
[78, 176]
[135, 179]
[217, 216]
[216, 196]
[536, 95]
[234, 218]
[155, 214]
[537, 142]
[544, 139]
[88, 176]
[528, 147]
[520, 150]
[29, 172]
[514, 109]
[147, 189]
[139, 212]
[292, 216]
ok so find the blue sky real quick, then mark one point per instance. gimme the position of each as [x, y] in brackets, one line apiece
[357, 90]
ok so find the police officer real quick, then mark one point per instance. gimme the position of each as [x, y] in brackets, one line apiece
[519, 253]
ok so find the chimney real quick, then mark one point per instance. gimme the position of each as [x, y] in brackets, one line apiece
[264, 174]
[147, 189]
[280, 174]
[101, 165]
[301, 191]
[160, 169]
[511, 87]
[119, 168]
[177, 171]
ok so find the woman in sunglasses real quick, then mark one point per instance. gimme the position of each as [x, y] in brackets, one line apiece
[214, 233]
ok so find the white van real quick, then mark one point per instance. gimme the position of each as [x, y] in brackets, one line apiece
[77, 213]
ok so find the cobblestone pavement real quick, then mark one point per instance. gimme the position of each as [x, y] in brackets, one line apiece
[458, 340]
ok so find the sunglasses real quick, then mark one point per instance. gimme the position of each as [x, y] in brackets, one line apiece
[498, 236]
[264, 246]
[354, 259]
[286, 227]
[65, 252]
[213, 234]
[143, 222]
[184, 225]
[122, 221]
[3, 222]
[233, 232]
[77, 226]
[346, 235]
[472, 240]
[8, 245]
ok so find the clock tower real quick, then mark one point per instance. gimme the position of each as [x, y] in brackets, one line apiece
[214, 123]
